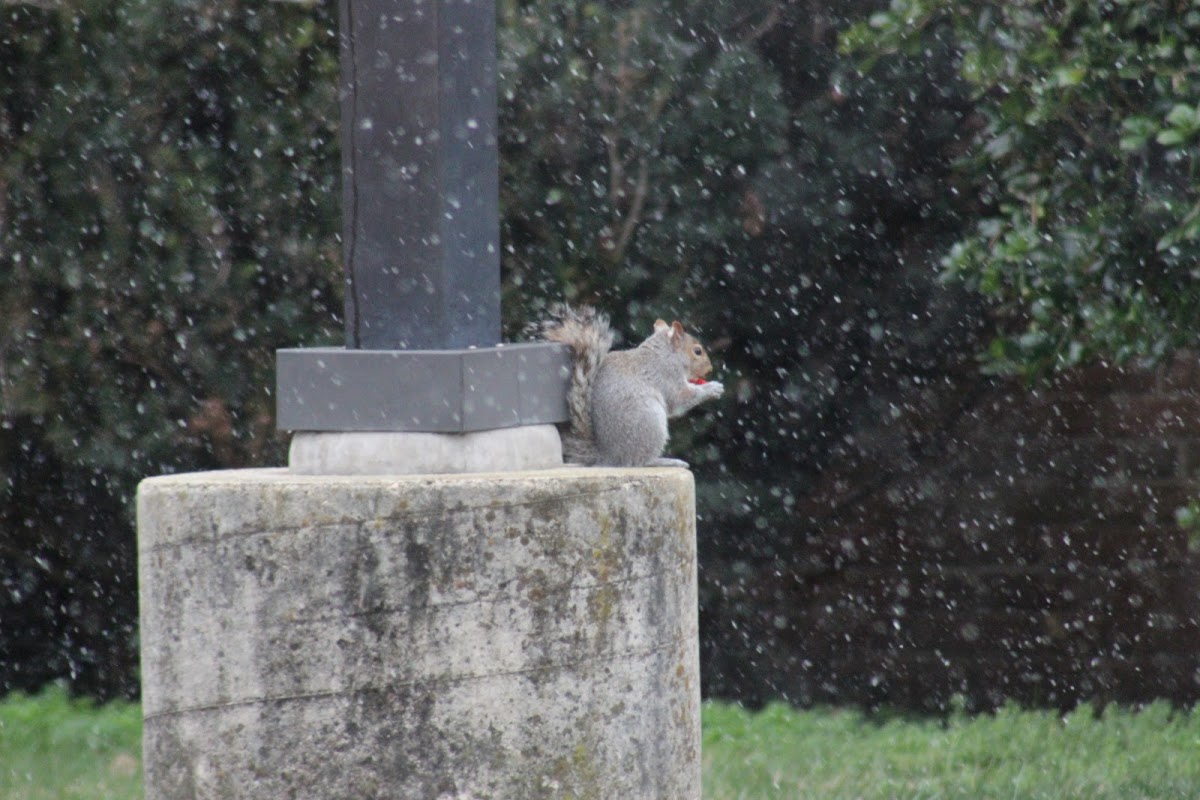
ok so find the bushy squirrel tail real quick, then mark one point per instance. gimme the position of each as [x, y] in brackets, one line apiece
[588, 333]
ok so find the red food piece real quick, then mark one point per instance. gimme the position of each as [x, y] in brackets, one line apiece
[698, 381]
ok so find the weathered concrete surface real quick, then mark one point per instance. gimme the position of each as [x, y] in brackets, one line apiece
[393, 452]
[509, 635]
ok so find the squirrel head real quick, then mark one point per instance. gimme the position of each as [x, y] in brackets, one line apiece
[687, 346]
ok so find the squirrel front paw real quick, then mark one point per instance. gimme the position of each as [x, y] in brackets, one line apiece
[712, 389]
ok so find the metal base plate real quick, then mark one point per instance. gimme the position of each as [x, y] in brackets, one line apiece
[431, 391]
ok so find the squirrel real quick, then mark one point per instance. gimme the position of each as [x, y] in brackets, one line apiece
[619, 402]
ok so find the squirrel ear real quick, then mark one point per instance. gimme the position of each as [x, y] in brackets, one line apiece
[676, 328]
[659, 325]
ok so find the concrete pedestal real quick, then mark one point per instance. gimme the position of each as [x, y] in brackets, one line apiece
[509, 635]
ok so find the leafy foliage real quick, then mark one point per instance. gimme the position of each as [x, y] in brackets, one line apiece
[628, 145]
[167, 219]
[1086, 158]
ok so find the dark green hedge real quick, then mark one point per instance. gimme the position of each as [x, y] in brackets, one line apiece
[168, 217]
[1087, 151]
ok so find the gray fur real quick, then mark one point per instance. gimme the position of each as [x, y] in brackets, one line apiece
[619, 402]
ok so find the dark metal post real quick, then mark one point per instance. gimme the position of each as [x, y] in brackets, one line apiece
[420, 179]
[420, 174]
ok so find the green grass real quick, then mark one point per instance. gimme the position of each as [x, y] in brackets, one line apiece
[782, 753]
[54, 747]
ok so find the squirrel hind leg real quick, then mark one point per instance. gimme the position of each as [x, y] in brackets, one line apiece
[628, 432]
[669, 462]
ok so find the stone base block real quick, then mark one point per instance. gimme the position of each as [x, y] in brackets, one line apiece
[513, 635]
[403, 453]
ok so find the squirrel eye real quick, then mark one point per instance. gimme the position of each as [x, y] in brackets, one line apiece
[698, 350]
